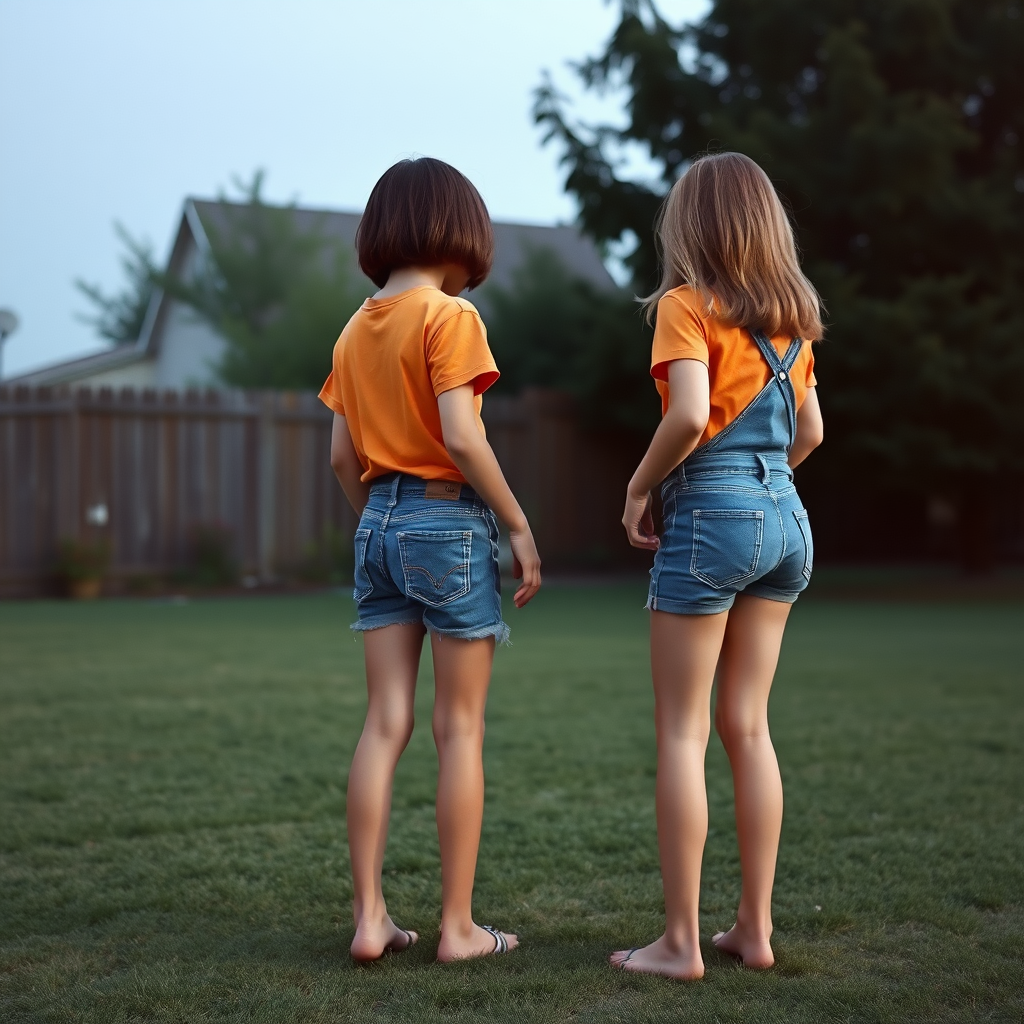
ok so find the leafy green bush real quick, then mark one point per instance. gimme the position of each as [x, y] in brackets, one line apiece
[81, 560]
[552, 329]
[329, 559]
[212, 560]
[277, 292]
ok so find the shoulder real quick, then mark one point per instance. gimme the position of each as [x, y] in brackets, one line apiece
[451, 313]
[683, 309]
[445, 307]
[684, 306]
[352, 327]
[682, 298]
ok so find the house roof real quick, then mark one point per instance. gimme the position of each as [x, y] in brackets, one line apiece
[511, 243]
[577, 252]
[71, 370]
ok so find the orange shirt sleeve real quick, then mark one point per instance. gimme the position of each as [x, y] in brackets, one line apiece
[812, 381]
[679, 333]
[457, 354]
[330, 394]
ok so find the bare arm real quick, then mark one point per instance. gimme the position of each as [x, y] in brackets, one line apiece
[475, 460]
[677, 435]
[346, 465]
[810, 430]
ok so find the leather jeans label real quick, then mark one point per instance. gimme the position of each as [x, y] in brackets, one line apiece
[442, 490]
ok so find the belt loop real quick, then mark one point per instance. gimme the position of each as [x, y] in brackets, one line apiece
[392, 501]
[682, 475]
[766, 473]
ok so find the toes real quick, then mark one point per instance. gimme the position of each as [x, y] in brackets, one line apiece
[620, 958]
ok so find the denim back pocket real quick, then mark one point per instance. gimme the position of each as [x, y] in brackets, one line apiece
[726, 545]
[360, 577]
[805, 531]
[436, 564]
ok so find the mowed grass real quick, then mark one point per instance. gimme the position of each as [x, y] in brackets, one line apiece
[173, 847]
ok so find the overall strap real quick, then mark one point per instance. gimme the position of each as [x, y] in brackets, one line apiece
[771, 357]
[780, 371]
[795, 347]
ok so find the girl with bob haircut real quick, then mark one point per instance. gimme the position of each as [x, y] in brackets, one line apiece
[409, 450]
[732, 361]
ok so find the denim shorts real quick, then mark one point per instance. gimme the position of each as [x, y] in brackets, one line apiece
[427, 552]
[733, 524]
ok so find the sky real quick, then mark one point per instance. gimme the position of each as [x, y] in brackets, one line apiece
[116, 110]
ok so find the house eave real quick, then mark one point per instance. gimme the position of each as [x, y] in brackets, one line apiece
[69, 371]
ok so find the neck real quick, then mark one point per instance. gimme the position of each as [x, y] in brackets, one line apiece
[411, 277]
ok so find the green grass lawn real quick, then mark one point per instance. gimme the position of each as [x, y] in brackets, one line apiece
[172, 844]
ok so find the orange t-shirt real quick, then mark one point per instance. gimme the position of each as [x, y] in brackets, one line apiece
[394, 357]
[736, 368]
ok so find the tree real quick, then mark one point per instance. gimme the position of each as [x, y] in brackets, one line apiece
[277, 292]
[895, 132]
[553, 329]
[119, 318]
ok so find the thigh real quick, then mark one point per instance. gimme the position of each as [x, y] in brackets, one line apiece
[462, 676]
[750, 655]
[392, 656]
[684, 653]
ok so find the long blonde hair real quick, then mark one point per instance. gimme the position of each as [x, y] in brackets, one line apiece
[723, 231]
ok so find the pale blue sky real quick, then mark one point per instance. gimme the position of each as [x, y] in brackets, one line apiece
[118, 109]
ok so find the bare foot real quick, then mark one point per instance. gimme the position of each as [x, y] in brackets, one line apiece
[476, 942]
[754, 950]
[375, 938]
[660, 958]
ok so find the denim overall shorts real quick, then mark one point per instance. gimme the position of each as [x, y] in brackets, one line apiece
[427, 552]
[733, 520]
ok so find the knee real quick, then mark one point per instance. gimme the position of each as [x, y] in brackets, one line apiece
[392, 726]
[674, 729]
[736, 727]
[458, 727]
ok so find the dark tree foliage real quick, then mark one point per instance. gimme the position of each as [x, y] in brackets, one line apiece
[278, 293]
[119, 318]
[895, 131]
[553, 329]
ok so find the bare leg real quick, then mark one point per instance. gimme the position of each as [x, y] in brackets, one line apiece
[684, 652]
[462, 673]
[392, 661]
[750, 655]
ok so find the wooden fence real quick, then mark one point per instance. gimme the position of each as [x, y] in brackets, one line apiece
[143, 470]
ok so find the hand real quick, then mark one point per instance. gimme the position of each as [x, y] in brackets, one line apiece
[639, 522]
[525, 565]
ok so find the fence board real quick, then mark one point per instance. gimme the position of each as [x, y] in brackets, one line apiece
[258, 464]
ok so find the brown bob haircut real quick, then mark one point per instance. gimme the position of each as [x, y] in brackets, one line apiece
[424, 213]
[723, 231]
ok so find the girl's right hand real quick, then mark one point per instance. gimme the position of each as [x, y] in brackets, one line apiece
[525, 564]
[639, 522]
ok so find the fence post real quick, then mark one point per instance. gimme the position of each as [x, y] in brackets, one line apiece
[267, 462]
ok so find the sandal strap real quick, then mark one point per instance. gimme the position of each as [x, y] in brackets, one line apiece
[500, 943]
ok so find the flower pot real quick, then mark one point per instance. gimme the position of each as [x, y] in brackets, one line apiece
[84, 590]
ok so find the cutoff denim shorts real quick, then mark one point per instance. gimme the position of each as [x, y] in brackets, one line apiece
[427, 552]
[733, 524]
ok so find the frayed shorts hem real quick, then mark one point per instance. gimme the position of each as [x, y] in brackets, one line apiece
[380, 621]
[771, 594]
[660, 604]
[499, 630]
